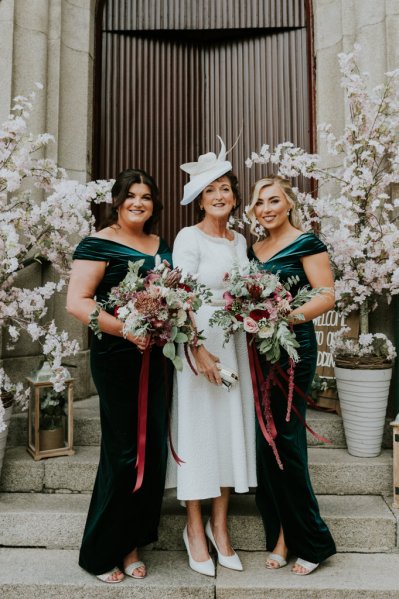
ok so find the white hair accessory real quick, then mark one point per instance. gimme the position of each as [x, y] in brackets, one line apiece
[208, 168]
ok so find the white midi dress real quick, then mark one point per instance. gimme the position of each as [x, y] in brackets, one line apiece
[213, 430]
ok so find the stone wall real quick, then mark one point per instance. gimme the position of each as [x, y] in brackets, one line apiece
[51, 41]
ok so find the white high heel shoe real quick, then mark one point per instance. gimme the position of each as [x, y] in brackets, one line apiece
[207, 567]
[228, 561]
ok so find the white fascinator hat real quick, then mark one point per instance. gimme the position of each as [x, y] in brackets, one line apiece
[208, 168]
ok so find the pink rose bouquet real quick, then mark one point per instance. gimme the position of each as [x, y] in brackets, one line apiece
[160, 305]
[258, 303]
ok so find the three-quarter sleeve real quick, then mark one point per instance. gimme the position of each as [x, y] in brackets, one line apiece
[186, 251]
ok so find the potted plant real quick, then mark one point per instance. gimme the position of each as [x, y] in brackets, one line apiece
[52, 417]
[357, 220]
[363, 370]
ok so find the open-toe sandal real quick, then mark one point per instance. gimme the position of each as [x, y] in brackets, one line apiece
[310, 567]
[275, 557]
[132, 567]
[107, 576]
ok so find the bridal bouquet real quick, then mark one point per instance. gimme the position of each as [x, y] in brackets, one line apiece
[160, 305]
[258, 303]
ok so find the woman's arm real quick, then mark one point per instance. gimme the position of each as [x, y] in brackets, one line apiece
[85, 278]
[318, 271]
[187, 255]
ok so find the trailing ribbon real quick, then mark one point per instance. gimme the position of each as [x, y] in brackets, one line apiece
[269, 428]
[142, 410]
[189, 359]
[266, 421]
[142, 417]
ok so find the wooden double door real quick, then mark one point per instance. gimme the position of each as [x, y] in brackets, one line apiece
[172, 74]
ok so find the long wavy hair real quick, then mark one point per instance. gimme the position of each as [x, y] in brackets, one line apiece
[120, 190]
[286, 188]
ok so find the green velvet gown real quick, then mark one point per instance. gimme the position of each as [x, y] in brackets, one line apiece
[118, 520]
[285, 497]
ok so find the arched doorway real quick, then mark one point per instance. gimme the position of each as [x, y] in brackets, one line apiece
[172, 75]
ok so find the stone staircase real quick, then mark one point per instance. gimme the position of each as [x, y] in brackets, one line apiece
[43, 507]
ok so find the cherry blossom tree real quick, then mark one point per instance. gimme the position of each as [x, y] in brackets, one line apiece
[357, 218]
[42, 214]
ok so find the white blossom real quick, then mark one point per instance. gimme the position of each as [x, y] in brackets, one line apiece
[357, 221]
[36, 226]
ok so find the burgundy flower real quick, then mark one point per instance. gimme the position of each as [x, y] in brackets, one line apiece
[255, 291]
[185, 287]
[259, 314]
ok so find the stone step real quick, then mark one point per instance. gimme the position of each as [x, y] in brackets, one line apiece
[358, 523]
[333, 472]
[49, 574]
[87, 427]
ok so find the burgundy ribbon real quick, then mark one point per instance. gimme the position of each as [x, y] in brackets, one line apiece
[189, 359]
[142, 417]
[142, 410]
[307, 398]
[266, 421]
[269, 429]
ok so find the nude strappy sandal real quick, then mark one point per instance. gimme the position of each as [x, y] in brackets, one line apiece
[276, 558]
[132, 567]
[310, 567]
[107, 576]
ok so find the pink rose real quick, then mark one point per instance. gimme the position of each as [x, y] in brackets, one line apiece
[250, 326]
[229, 299]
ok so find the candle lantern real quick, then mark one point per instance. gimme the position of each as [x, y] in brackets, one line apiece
[395, 429]
[50, 416]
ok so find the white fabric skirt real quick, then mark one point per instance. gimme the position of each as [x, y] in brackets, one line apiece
[213, 429]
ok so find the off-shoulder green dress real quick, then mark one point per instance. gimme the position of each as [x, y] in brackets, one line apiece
[118, 520]
[285, 497]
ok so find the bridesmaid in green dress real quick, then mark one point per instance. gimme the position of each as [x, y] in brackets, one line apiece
[285, 498]
[120, 521]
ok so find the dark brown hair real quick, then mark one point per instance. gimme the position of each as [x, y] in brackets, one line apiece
[120, 190]
[234, 188]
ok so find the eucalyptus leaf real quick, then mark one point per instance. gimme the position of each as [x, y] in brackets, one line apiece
[178, 363]
[169, 351]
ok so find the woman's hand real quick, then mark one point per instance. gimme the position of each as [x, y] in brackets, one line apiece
[141, 342]
[206, 364]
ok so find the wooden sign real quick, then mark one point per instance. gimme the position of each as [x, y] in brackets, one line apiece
[325, 327]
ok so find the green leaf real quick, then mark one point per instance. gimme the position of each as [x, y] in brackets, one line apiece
[169, 351]
[178, 363]
[173, 333]
[181, 338]
[93, 322]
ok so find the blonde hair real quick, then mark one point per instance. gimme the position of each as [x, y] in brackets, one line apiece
[289, 195]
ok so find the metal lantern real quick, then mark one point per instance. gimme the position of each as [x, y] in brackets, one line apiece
[50, 416]
[395, 430]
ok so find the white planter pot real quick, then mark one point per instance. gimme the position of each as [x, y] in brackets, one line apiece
[3, 434]
[363, 397]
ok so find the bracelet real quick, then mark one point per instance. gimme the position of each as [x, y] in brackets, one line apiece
[296, 317]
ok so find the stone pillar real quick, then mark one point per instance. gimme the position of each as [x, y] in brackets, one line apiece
[6, 56]
[52, 42]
